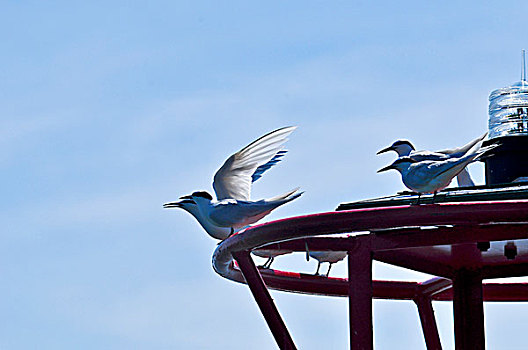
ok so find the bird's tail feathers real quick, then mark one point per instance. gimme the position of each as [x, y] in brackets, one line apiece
[474, 146]
[473, 157]
[478, 149]
[469, 148]
[486, 152]
[289, 196]
[295, 196]
[464, 179]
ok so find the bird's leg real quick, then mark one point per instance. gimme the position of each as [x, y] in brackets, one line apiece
[434, 197]
[318, 266]
[269, 262]
[265, 265]
[418, 201]
[329, 267]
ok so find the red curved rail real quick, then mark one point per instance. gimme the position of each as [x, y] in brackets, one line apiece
[293, 233]
[460, 242]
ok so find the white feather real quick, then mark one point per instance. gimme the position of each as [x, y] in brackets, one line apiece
[234, 178]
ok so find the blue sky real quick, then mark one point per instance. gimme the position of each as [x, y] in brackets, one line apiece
[109, 109]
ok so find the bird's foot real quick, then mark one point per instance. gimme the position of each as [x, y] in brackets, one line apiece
[328, 272]
[317, 271]
[417, 201]
[434, 197]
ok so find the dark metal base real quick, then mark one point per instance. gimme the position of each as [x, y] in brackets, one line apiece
[509, 160]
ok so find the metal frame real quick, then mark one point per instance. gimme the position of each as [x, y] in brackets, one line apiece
[396, 235]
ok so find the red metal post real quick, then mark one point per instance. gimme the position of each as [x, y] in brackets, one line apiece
[264, 300]
[360, 296]
[468, 310]
[430, 330]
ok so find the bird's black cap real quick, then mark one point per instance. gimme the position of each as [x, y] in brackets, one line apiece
[404, 160]
[395, 145]
[403, 142]
[397, 161]
[202, 194]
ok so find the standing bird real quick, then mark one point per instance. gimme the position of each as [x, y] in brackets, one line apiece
[331, 257]
[430, 176]
[233, 208]
[270, 255]
[406, 148]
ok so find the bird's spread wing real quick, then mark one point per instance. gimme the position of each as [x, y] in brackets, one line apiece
[234, 178]
[261, 169]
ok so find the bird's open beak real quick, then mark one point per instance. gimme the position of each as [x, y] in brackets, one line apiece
[179, 204]
[385, 150]
[389, 167]
[172, 205]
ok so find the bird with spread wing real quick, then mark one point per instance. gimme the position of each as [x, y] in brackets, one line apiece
[233, 208]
